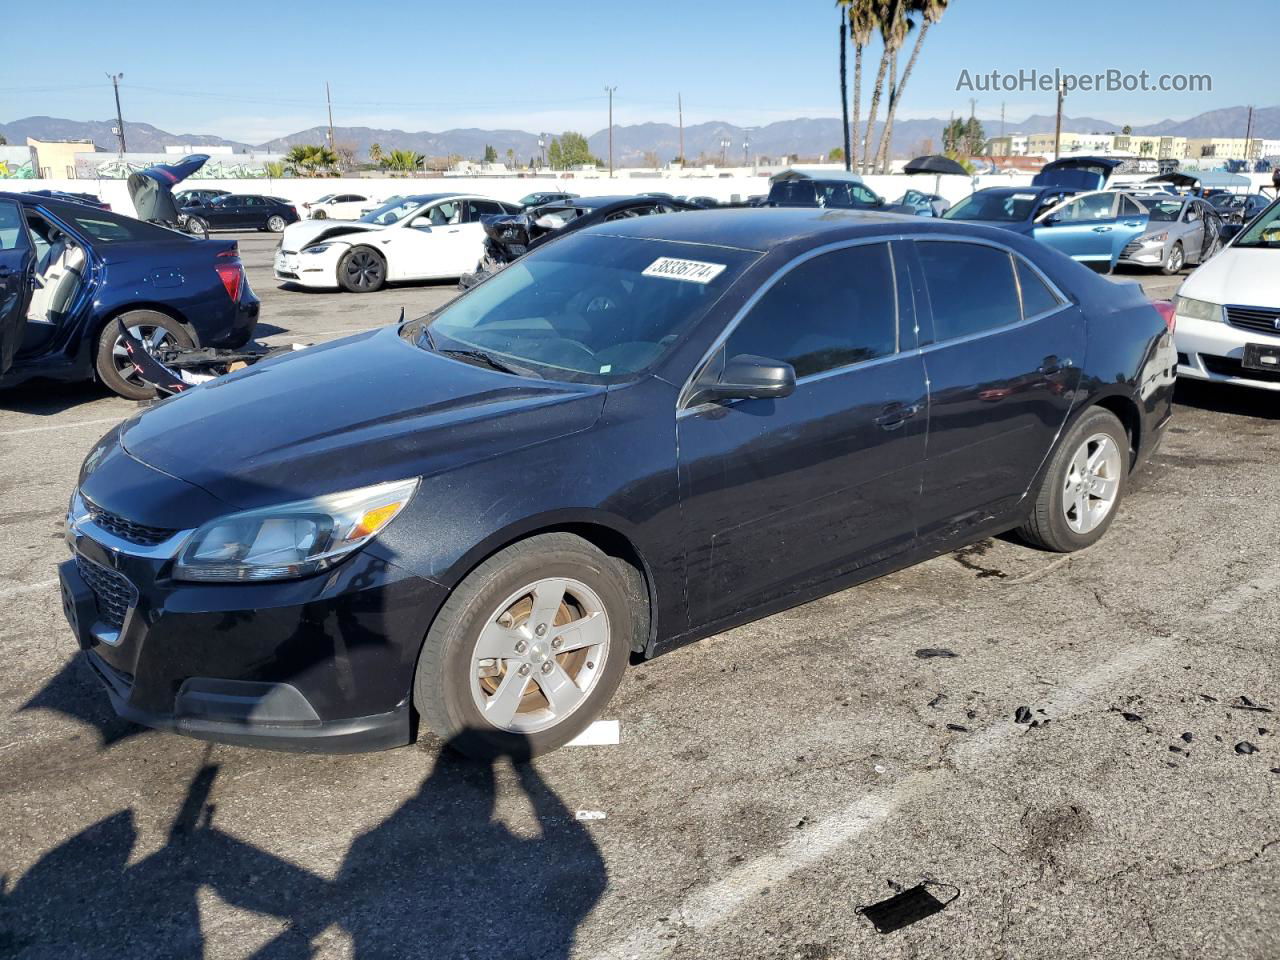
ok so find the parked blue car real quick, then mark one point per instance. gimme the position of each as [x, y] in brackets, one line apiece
[67, 270]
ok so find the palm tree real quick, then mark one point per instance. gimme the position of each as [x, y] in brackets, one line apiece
[844, 88]
[931, 12]
[895, 24]
[275, 169]
[376, 156]
[882, 16]
[311, 159]
[861, 15]
[404, 160]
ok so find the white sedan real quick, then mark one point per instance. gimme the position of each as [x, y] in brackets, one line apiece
[338, 206]
[425, 237]
[1228, 311]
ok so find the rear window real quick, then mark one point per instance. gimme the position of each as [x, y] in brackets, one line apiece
[108, 228]
[793, 191]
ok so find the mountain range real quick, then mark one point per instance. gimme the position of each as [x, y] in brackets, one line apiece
[806, 137]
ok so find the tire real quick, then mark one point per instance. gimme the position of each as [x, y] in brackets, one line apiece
[319, 215]
[362, 270]
[275, 223]
[147, 325]
[460, 696]
[1051, 524]
[197, 227]
[1176, 260]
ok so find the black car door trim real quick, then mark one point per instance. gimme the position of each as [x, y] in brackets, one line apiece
[687, 390]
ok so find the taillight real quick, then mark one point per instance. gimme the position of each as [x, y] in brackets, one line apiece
[232, 277]
[1166, 309]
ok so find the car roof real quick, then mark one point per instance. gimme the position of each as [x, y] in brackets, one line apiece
[762, 229]
[595, 203]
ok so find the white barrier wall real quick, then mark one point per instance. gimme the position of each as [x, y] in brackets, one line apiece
[298, 190]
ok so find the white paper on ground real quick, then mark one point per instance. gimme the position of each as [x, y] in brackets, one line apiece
[602, 733]
[591, 815]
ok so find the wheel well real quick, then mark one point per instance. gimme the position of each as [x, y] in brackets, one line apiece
[1127, 413]
[164, 308]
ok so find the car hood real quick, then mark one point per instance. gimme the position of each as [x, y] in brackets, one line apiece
[306, 232]
[365, 410]
[1237, 276]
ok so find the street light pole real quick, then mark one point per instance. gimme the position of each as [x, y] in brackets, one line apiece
[1057, 128]
[609, 90]
[115, 79]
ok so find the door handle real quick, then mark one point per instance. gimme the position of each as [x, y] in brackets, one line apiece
[896, 414]
[1101, 229]
[1053, 365]
[5, 273]
[1133, 223]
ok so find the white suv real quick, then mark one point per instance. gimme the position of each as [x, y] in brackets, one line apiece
[1228, 311]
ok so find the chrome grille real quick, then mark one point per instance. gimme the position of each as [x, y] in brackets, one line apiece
[1261, 319]
[1131, 248]
[112, 591]
[117, 525]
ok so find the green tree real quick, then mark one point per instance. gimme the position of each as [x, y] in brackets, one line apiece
[376, 156]
[895, 23]
[931, 12]
[490, 154]
[555, 156]
[403, 161]
[570, 150]
[861, 15]
[275, 169]
[511, 159]
[311, 159]
[1126, 130]
[835, 155]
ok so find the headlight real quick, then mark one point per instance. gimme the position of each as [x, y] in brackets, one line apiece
[1197, 309]
[293, 539]
[1155, 238]
[318, 248]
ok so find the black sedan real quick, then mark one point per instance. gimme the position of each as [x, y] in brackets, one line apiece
[235, 211]
[638, 435]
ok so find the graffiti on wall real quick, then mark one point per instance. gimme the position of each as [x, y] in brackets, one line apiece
[15, 163]
[118, 168]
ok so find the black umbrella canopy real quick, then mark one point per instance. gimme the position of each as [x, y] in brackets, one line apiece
[937, 164]
[152, 189]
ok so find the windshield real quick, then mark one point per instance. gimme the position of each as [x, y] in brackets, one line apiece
[1008, 207]
[591, 308]
[1265, 231]
[1161, 209]
[393, 211]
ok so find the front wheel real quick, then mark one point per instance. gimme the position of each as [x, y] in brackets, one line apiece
[1175, 261]
[116, 370]
[362, 270]
[528, 650]
[1082, 489]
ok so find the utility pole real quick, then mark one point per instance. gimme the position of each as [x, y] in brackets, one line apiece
[1002, 118]
[680, 113]
[329, 102]
[609, 90]
[725, 144]
[115, 79]
[1057, 127]
[1248, 135]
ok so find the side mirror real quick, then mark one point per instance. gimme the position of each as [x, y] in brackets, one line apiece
[1051, 221]
[1228, 231]
[748, 377]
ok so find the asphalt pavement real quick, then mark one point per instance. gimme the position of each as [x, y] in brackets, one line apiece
[771, 783]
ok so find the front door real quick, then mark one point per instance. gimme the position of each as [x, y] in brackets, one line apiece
[1003, 362]
[780, 495]
[17, 270]
[1083, 228]
[432, 240]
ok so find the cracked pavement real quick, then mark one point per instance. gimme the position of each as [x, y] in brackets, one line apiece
[770, 780]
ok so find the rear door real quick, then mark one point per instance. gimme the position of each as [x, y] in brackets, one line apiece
[1003, 353]
[17, 270]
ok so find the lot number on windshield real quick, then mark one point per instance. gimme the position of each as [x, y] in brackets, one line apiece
[694, 271]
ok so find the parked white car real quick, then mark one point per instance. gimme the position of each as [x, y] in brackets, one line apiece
[1228, 311]
[425, 237]
[338, 206]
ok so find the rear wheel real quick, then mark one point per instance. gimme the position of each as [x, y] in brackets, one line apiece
[362, 270]
[1081, 491]
[1175, 261]
[528, 650]
[275, 223]
[197, 227]
[319, 215]
[155, 330]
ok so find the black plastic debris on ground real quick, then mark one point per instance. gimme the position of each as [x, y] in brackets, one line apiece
[1246, 748]
[926, 653]
[1022, 715]
[905, 908]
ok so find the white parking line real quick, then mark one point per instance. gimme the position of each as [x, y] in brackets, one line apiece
[717, 902]
[63, 426]
[1240, 596]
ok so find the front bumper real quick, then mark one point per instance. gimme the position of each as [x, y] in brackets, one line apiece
[319, 664]
[1213, 351]
[316, 270]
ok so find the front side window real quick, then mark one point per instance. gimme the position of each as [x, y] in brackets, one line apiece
[998, 205]
[1265, 231]
[834, 310]
[971, 288]
[442, 215]
[12, 234]
[393, 211]
[1097, 206]
[590, 308]
[1163, 209]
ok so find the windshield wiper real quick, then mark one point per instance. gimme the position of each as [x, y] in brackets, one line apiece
[480, 358]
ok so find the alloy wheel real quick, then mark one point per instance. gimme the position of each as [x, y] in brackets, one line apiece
[364, 269]
[275, 223]
[152, 338]
[1092, 483]
[540, 655]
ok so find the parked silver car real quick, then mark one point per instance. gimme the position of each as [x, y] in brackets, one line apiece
[1180, 231]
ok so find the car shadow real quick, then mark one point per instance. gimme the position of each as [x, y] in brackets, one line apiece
[1227, 398]
[438, 877]
[46, 398]
[75, 693]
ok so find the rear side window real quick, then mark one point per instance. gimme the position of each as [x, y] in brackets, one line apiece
[1037, 298]
[106, 227]
[13, 236]
[836, 309]
[971, 288]
[793, 191]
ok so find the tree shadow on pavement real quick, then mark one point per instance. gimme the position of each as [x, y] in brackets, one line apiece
[438, 878]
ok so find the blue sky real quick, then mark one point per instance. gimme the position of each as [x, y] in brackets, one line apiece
[250, 72]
